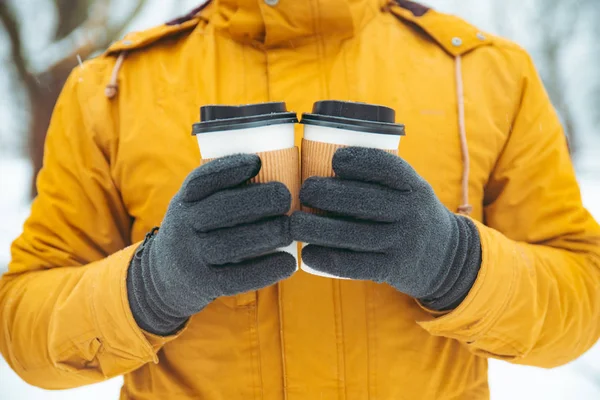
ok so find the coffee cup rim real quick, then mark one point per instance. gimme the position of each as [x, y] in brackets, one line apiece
[330, 121]
[246, 122]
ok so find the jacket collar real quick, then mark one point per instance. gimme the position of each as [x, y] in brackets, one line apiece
[274, 23]
[248, 21]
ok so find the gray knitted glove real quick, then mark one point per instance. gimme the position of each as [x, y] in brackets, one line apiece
[384, 223]
[212, 243]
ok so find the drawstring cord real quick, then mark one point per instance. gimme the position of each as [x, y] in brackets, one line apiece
[465, 208]
[417, 10]
[113, 85]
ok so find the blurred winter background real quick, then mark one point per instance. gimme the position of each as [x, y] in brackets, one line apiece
[41, 41]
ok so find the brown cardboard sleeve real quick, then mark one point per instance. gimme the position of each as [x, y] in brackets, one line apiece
[282, 166]
[316, 160]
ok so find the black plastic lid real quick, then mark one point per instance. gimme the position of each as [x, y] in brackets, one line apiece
[218, 117]
[354, 116]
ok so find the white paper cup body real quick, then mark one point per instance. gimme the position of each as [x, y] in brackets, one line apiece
[346, 137]
[250, 140]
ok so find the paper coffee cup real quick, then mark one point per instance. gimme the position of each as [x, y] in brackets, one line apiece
[266, 129]
[334, 124]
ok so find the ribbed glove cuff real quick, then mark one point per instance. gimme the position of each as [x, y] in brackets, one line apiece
[463, 270]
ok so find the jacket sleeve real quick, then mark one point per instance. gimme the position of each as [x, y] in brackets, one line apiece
[64, 315]
[536, 300]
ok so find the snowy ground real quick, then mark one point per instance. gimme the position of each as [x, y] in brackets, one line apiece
[579, 380]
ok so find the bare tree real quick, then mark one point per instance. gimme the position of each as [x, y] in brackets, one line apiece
[83, 27]
[557, 29]
[592, 10]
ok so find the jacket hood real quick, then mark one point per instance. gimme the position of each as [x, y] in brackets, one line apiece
[273, 23]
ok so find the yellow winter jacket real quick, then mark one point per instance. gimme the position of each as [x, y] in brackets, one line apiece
[114, 159]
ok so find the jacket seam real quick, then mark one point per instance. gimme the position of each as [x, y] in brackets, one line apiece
[505, 342]
[519, 95]
[255, 350]
[518, 349]
[339, 333]
[372, 341]
[282, 339]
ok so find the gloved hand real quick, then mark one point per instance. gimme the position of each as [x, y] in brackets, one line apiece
[212, 243]
[385, 224]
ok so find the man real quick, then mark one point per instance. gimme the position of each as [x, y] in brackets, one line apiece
[435, 292]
